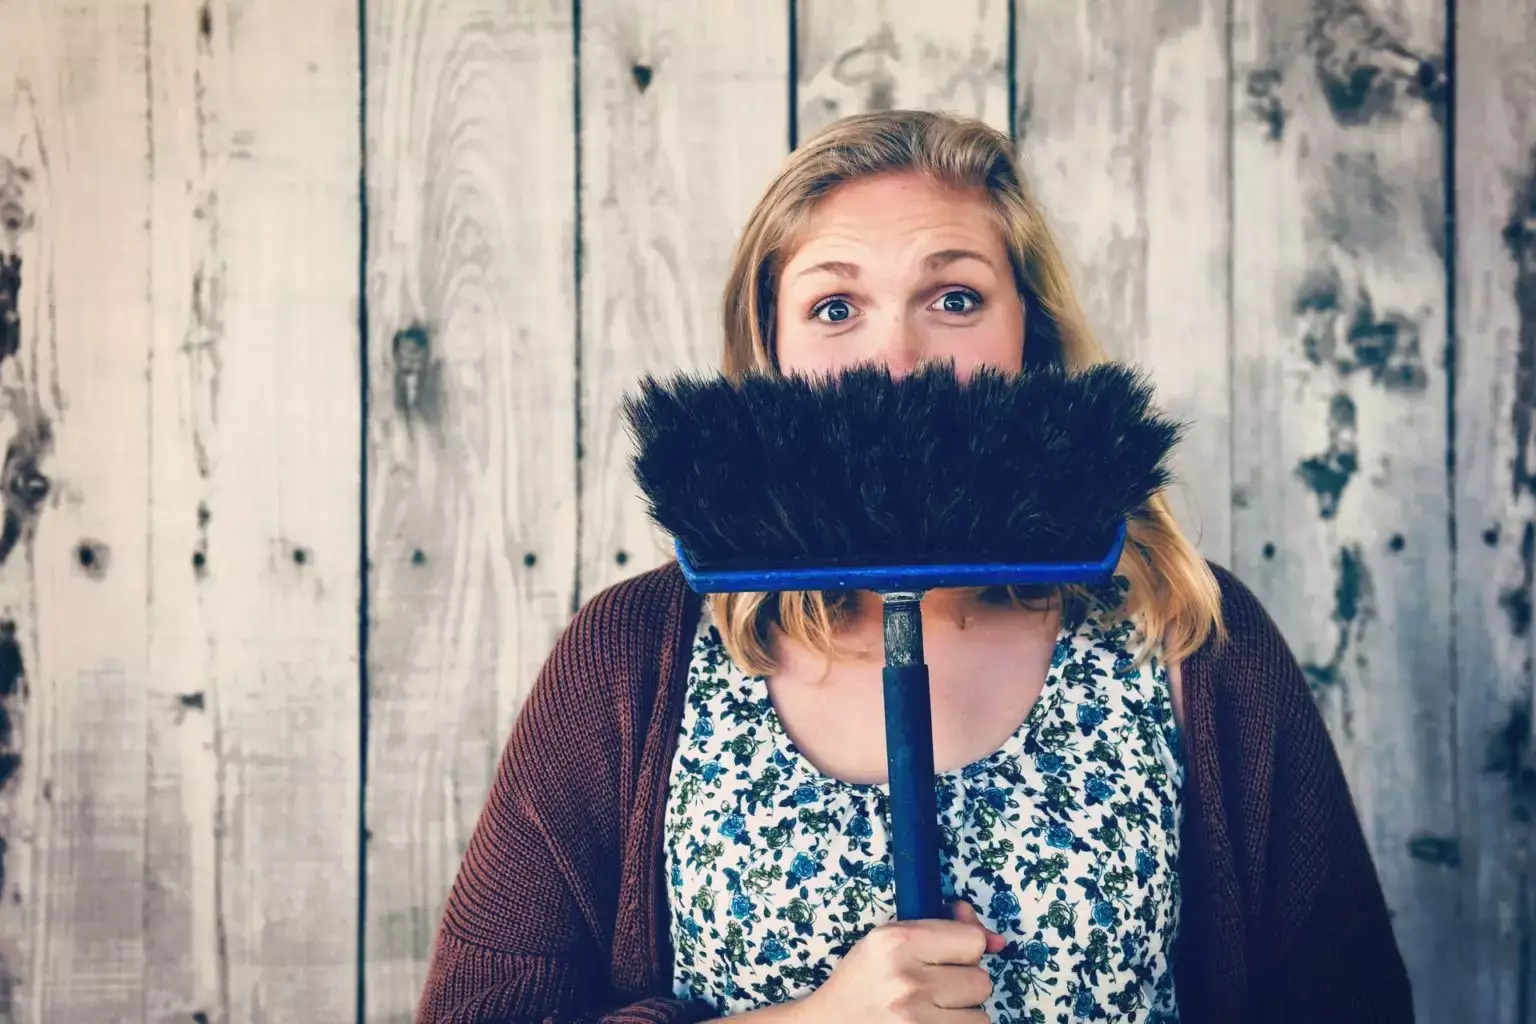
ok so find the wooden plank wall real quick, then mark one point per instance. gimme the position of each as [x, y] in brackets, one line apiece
[313, 322]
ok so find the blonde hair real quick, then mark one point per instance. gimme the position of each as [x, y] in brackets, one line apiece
[1172, 593]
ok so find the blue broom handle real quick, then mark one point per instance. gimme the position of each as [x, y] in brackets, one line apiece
[909, 762]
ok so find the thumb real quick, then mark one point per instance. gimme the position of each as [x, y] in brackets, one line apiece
[966, 914]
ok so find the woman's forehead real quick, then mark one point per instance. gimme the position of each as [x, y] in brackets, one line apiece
[910, 217]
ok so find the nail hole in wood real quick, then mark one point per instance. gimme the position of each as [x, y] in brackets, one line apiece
[621, 557]
[1269, 551]
[418, 557]
[92, 557]
[642, 75]
[300, 556]
[530, 559]
[1397, 543]
[199, 561]
[1491, 536]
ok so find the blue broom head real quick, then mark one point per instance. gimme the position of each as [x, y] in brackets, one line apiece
[858, 480]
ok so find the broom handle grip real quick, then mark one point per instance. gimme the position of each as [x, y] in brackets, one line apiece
[909, 763]
[914, 810]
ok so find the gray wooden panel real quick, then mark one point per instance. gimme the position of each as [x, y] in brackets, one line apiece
[684, 121]
[1122, 127]
[471, 431]
[74, 415]
[1495, 361]
[189, 277]
[1339, 411]
[860, 55]
[254, 705]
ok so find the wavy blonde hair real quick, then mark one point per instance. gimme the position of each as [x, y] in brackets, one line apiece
[1172, 592]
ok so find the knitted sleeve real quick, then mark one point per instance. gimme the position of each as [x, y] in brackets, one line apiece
[526, 936]
[1326, 947]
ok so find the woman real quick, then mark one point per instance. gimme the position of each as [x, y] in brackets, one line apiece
[1143, 816]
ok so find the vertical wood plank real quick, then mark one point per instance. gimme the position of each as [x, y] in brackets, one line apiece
[471, 431]
[684, 122]
[75, 324]
[1340, 413]
[1495, 416]
[1122, 126]
[879, 55]
[254, 710]
[184, 911]
[252, 852]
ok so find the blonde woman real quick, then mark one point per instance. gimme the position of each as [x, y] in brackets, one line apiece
[1143, 817]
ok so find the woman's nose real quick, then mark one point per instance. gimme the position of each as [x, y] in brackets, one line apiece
[900, 349]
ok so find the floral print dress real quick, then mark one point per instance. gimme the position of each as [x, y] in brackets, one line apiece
[1065, 839]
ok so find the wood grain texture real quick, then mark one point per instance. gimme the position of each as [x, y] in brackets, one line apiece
[471, 431]
[1495, 409]
[1122, 126]
[185, 866]
[684, 122]
[74, 424]
[1340, 413]
[880, 55]
[260, 342]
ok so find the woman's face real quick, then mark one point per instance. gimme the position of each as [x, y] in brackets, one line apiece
[897, 270]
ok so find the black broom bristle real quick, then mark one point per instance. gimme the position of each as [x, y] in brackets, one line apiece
[857, 468]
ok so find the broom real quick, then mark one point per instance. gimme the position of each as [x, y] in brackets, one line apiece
[857, 480]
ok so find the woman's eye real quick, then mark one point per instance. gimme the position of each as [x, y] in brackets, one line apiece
[833, 311]
[959, 301]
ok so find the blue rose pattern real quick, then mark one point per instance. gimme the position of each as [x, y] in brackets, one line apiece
[1065, 839]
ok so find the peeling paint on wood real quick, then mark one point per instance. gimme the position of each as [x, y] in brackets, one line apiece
[1444, 851]
[12, 694]
[1512, 754]
[1520, 236]
[1516, 600]
[10, 316]
[1353, 609]
[1328, 474]
[1364, 68]
[1349, 336]
[23, 487]
[1264, 101]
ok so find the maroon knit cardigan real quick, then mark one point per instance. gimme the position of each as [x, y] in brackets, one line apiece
[559, 911]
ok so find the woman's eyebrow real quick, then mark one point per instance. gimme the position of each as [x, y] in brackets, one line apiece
[932, 262]
[944, 257]
[839, 267]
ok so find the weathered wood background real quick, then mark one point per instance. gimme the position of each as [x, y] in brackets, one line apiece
[313, 321]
